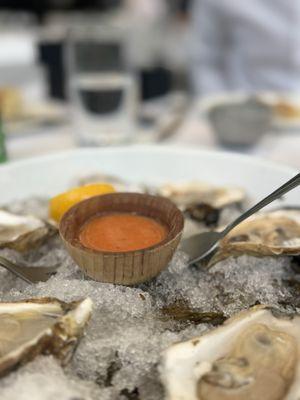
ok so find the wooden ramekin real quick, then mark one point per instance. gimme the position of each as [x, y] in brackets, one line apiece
[126, 268]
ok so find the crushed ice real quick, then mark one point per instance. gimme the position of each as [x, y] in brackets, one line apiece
[118, 357]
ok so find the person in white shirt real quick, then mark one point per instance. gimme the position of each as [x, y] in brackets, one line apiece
[245, 45]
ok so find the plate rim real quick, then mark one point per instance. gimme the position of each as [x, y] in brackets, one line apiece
[156, 148]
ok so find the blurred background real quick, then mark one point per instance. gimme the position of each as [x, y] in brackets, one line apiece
[215, 74]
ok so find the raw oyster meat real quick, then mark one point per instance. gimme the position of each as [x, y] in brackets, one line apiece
[23, 232]
[45, 325]
[254, 355]
[202, 202]
[268, 234]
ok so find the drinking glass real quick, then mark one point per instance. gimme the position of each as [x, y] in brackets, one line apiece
[102, 89]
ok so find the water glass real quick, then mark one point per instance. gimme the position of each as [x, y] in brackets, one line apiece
[102, 89]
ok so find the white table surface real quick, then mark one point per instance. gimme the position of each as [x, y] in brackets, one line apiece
[283, 147]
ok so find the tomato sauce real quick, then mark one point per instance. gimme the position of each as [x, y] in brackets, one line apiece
[121, 232]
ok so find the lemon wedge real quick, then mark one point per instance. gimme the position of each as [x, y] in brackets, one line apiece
[64, 201]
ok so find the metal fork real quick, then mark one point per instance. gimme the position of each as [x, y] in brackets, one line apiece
[202, 244]
[29, 274]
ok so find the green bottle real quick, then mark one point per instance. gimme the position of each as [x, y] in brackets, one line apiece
[3, 155]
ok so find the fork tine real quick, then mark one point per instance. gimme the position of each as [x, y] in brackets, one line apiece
[52, 269]
[203, 262]
[39, 274]
[14, 269]
[29, 274]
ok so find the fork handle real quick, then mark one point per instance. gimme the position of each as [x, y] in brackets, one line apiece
[289, 185]
[15, 269]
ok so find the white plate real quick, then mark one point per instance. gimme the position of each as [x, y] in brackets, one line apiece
[46, 176]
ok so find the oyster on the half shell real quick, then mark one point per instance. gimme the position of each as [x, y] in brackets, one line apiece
[269, 234]
[202, 202]
[120, 185]
[23, 232]
[185, 194]
[253, 356]
[97, 177]
[40, 326]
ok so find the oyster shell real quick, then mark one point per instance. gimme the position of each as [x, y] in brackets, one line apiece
[202, 202]
[97, 177]
[23, 232]
[186, 194]
[35, 326]
[120, 185]
[182, 312]
[268, 234]
[254, 355]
